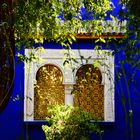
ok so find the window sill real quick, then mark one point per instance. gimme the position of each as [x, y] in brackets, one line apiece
[43, 122]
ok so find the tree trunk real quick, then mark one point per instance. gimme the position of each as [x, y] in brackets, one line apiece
[6, 52]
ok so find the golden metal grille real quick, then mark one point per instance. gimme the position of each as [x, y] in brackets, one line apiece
[89, 93]
[48, 90]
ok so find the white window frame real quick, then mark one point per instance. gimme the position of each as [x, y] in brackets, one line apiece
[56, 57]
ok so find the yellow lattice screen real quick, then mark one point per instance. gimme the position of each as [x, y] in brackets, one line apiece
[89, 93]
[48, 91]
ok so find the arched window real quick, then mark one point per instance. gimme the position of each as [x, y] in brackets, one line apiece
[93, 89]
[89, 91]
[49, 90]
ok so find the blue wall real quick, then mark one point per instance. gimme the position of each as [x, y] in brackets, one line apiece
[12, 126]
[11, 120]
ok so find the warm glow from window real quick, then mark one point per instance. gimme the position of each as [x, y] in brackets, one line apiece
[89, 92]
[48, 90]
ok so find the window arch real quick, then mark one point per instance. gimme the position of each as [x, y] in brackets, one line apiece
[89, 91]
[49, 90]
[53, 56]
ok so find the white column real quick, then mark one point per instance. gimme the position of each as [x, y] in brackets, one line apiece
[68, 94]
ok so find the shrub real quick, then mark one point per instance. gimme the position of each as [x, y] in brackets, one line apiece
[69, 123]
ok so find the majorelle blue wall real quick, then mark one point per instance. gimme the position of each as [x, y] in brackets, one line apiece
[12, 126]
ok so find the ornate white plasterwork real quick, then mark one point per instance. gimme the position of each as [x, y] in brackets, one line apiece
[56, 57]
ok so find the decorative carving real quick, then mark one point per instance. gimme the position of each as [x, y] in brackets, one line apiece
[48, 90]
[89, 93]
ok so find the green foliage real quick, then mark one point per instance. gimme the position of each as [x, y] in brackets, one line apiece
[54, 20]
[99, 7]
[7, 65]
[133, 7]
[69, 123]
